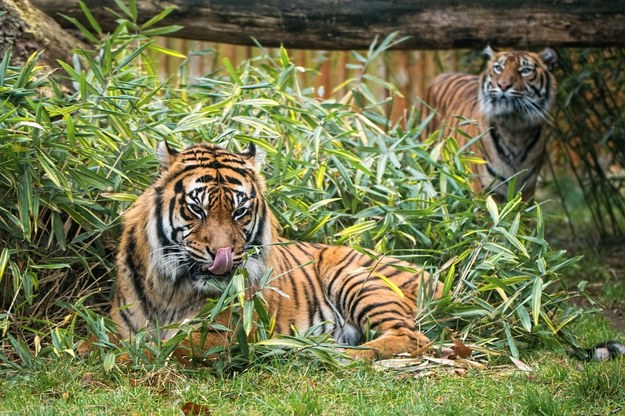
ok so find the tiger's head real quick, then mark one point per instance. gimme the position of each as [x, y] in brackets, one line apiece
[518, 84]
[209, 216]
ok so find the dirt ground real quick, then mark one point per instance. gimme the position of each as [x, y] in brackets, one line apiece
[604, 269]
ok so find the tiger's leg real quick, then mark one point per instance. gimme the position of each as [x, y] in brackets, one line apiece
[393, 341]
[353, 284]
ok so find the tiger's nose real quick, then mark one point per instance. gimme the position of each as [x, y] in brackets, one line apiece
[504, 85]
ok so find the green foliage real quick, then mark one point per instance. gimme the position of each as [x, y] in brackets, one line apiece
[78, 147]
[588, 130]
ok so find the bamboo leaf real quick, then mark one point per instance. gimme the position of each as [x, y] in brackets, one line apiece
[491, 205]
[537, 292]
[92, 21]
[4, 260]
[135, 53]
[389, 283]
[4, 65]
[357, 229]
[126, 9]
[83, 30]
[108, 363]
[514, 350]
[157, 18]
[166, 51]
[162, 31]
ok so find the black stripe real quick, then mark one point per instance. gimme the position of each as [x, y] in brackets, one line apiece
[205, 179]
[397, 325]
[364, 312]
[501, 151]
[160, 233]
[494, 174]
[338, 274]
[170, 217]
[384, 293]
[311, 296]
[131, 328]
[232, 180]
[350, 295]
[350, 291]
[535, 139]
[136, 277]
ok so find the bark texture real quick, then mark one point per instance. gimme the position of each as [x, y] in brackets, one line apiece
[25, 29]
[353, 24]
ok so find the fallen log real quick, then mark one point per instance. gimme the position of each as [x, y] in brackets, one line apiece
[353, 24]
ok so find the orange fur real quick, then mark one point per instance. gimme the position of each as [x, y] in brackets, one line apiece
[507, 106]
[203, 213]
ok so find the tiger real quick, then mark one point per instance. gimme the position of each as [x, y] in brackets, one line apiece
[508, 105]
[205, 216]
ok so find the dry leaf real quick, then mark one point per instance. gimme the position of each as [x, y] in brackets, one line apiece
[414, 364]
[464, 363]
[194, 409]
[460, 350]
[445, 352]
[87, 380]
[460, 362]
[520, 364]
[423, 349]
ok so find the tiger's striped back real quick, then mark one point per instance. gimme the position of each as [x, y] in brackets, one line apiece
[506, 106]
[206, 215]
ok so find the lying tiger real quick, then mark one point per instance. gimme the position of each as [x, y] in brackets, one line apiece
[510, 102]
[188, 233]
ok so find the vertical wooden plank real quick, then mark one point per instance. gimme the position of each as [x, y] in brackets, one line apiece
[399, 75]
[341, 73]
[324, 79]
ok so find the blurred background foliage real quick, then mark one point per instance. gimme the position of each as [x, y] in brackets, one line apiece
[584, 179]
[342, 166]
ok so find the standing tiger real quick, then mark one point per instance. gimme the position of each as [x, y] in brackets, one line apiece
[205, 216]
[509, 103]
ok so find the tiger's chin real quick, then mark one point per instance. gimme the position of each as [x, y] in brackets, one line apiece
[517, 109]
[210, 286]
[209, 283]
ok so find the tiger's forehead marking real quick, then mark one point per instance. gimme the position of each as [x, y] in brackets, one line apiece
[212, 157]
[522, 59]
[207, 164]
[208, 175]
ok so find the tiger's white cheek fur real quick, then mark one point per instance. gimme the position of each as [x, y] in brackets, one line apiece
[164, 264]
[256, 265]
[255, 268]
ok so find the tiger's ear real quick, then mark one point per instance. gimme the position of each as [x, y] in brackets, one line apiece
[254, 157]
[489, 52]
[549, 57]
[165, 155]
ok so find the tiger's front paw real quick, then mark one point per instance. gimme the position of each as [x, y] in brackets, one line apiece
[364, 354]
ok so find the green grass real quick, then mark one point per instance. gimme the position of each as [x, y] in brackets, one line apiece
[557, 385]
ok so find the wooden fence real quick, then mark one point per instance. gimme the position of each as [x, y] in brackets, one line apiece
[409, 71]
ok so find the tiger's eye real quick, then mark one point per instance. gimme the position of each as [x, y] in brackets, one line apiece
[196, 209]
[239, 212]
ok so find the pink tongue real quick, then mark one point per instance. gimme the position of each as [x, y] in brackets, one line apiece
[222, 262]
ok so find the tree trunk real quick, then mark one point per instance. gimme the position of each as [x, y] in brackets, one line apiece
[353, 24]
[24, 29]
